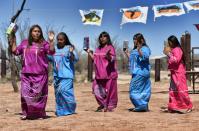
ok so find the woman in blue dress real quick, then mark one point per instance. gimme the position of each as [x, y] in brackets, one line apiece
[140, 85]
[63, 71]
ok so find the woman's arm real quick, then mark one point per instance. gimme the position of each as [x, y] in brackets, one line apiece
[51, 36]
[90, 53]
[73, 54]
[126, 52]
[12, 42]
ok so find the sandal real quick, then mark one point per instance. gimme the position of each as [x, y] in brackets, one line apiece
[166, 110]
[99, 109]
[189, 110]
[23, 117]
[131, 109]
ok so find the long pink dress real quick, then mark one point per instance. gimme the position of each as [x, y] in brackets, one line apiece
[34, 78]
[105, 83]
[178, 92]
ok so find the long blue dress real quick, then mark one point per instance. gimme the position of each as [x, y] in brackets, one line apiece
[140, 85]
[63, 71]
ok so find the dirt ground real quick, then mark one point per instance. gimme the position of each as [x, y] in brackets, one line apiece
[88, 120]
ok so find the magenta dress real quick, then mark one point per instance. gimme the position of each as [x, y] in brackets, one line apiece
[178, 92]
[105, 83]
[34, 78]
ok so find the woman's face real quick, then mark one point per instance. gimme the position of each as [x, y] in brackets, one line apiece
[36, 34]
[170, 44]
[135, 42]
[104, 40]
[61, 41]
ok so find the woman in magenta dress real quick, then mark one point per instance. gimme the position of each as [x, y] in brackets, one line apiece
[179, 99]
[34, 74]
[105, 83]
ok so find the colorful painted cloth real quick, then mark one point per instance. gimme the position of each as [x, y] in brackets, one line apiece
[175, 9]
[134, 14]
[92, 17]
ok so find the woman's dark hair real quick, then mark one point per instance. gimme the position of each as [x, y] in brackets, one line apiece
[175, 43]
[140, 39]
[67, 41]
[30, 38]
[105, 34]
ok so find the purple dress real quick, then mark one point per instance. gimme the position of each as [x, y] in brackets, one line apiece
[34, 78]
[105, 83]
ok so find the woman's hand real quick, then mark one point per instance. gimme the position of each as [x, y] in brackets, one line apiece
[167, 50]
[127, 53]
[108, 55]
[139, 46]
[90, 53]
[51, 36]
[12, 39]
[71, 48]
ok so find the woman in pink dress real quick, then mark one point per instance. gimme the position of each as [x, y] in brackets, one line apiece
[105, 83]
[34, 74]
[179, 100]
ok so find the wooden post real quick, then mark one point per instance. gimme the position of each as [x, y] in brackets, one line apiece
[188, 50]
[157, 70]
[3, 63]
[186, 47]
[90, 68]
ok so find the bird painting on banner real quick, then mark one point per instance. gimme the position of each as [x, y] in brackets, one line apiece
[134, 14]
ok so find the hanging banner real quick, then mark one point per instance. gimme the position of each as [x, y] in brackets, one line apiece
[192, 5]
[175, 9]
[134, 14]
[91, 17]
[197, 26]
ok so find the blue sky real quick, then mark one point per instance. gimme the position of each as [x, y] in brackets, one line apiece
[65, 13]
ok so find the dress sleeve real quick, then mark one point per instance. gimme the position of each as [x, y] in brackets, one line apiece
[146, 52]
[19, 49]
[175, 56]
[47, 48]
[113, 53]
[76, 57]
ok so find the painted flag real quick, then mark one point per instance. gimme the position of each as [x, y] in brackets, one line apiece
[197, 26]
[134, 14]
[175, 9]
[192, 5]
[92, 17]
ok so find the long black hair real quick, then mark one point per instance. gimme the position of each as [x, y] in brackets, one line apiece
[140, 39]
[105, 34]
[175, 43]
[67, 41]
[30, 38]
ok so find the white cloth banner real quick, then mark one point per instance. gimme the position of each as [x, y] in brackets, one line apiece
[134, 14]
[175, 9]
[192, 5]
[92, 17]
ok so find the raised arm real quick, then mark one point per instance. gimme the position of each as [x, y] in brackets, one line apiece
[90, 53]
[51, 36]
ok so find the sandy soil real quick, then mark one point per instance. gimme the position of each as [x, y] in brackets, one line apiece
[87, 119]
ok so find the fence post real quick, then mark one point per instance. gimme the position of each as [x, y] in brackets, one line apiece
[3, 63]
[90, 67]
[157, 70]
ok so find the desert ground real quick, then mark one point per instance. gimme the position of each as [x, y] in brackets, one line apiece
[87, 119]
